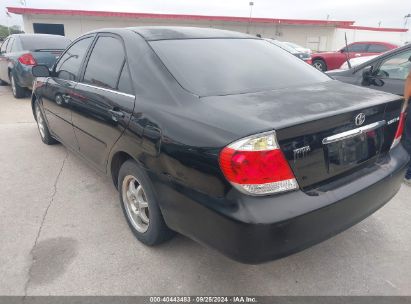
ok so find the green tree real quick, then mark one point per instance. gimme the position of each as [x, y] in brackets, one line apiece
[4, 31]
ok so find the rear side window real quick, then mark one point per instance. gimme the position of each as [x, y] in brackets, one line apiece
[69, 64]
[44, 42]
[124, 83]
[105, 63]
[357, 48]
[377, 48]
[208, 67]
[10, 45]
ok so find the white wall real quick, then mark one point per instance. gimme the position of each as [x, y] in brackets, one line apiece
[319, 38]
[78, 25]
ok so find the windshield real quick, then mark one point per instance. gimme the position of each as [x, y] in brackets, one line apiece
[208, 67]
[43, 42]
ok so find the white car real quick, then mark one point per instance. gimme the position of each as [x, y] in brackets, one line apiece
[356, 61]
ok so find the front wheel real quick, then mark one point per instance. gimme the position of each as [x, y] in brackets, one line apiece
[18, 91]
[42, 126]
[140, 206]
[319, 64]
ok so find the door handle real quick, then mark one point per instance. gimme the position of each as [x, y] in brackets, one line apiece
[116, 113]
[357, 55]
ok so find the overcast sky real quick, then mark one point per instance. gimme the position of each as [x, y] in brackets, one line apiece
[365, 12]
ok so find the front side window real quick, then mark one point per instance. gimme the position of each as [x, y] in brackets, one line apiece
[70, 63]
[10, 45]
[105, 63]
[208, 67]
[124, 83]
[396, 67]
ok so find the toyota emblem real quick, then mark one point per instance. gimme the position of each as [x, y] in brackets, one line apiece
[359, 119]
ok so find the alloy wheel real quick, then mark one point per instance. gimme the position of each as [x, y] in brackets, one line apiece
[136, 203]
[40, 122]
[13, 85]
[318, 66]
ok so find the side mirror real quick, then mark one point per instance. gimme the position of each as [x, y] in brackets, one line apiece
[40, 71]
[367, 73]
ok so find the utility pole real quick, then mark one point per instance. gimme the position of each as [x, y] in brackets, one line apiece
[406, 20]
[8, 21]
[249, 19]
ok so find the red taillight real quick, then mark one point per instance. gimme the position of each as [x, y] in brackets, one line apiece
[400, 129]
[27, 59]
[256, 165]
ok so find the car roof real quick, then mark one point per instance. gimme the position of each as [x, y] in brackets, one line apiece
[151, 33]
[35, 35]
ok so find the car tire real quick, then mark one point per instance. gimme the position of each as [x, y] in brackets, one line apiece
[18, 91]
[320, 64]
[140, 206]
[2, 83]
[42, 125]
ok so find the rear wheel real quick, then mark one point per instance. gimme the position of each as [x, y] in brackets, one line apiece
[42, 126]
[18, 91]
[140, 206]
[320, 65]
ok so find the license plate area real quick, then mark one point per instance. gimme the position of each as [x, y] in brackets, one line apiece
[350, 151]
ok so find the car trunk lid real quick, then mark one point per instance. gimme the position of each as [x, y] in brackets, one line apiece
[46, 56]
[324, 130]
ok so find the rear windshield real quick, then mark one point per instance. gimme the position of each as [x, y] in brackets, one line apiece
[41, 42]
[208, 67]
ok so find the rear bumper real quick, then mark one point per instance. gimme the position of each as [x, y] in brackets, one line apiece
[258, 229]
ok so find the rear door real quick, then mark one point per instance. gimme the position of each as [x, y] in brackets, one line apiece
[59, 91]
[104, 100]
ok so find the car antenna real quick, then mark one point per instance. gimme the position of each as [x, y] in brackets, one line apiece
[346, 52]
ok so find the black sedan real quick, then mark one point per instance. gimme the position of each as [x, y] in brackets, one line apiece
[20, 52]
[222, 137]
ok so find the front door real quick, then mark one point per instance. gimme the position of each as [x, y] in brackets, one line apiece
[59, 92]
[392, 73]
[103, 101]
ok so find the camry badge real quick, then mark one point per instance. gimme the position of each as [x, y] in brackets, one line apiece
[301, 152]
[359, 119]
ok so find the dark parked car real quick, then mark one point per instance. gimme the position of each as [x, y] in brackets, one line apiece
[386, 72]
[305, 56]
[20, 52]
[222, 137]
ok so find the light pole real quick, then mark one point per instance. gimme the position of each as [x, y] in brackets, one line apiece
[406, 20]
[249, 19]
